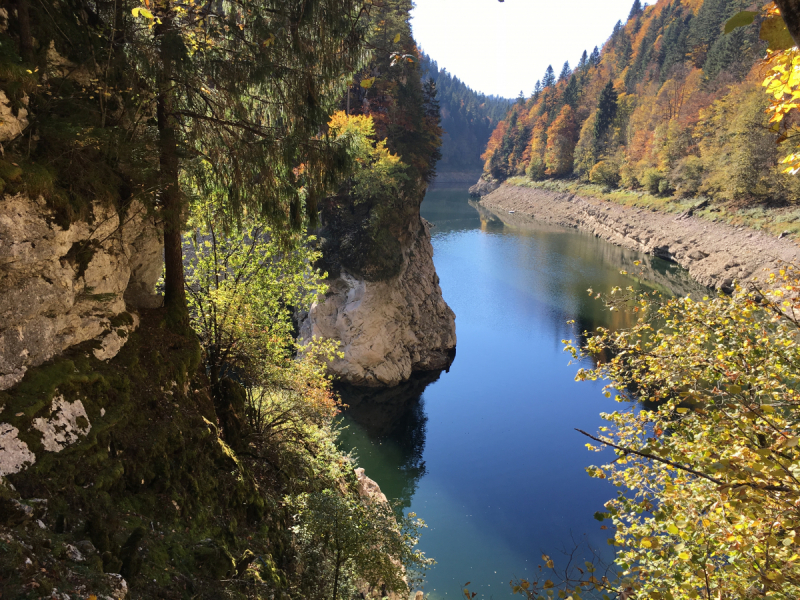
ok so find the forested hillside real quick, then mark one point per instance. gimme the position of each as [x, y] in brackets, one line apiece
[468, 118]
[671, 105]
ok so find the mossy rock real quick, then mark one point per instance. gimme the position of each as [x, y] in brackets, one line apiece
[146, 485]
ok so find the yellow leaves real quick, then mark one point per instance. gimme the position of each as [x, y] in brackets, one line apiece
[782, 84]
[684, 556]
[141, 10]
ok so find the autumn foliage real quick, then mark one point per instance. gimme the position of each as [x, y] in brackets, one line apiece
[671, 104]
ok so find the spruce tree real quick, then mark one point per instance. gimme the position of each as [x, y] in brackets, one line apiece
[231, 125]
[594, 59]
[616, 32]
[537, 90]
[606, 111]
[636, 10]
[624, 50]
[583, 64]
[572, 92]
[565, 72]
[549, 79]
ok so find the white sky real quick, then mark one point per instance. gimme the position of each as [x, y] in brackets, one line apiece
[502, 48]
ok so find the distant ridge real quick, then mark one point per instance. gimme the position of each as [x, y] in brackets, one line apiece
[468, 119]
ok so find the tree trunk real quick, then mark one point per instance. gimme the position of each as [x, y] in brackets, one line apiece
[790, 11]
[336, 576]
[171, 197]
[25, 38]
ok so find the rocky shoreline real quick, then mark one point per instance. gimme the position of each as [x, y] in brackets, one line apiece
[715, 254]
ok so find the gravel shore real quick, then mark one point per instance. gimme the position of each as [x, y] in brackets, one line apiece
[715, 254]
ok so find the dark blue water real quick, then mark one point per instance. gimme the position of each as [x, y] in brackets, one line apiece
[487, 453]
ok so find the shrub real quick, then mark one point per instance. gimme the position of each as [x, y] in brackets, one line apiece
[628, 178]
[606, 172]
[651, 180]
[688, 176]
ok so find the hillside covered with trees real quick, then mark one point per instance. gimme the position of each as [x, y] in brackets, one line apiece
[468, 118]
[671, 104]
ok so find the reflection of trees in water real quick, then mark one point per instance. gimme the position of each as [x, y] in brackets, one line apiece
[584, 249]
[652, 272]
[394, 421]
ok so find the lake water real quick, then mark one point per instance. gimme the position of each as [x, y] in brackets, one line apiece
[487, 453]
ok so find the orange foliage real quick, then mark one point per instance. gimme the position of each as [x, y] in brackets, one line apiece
[495, 140]
[673, 74]
[561, 139]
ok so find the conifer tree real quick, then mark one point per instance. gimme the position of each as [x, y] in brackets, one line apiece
[565, 72]
[594, 59]
[549, 79]
[572, 92]
[606, 111]
[636, 10]
[583, 64]
[616, 32]
[624, 50]
[537, 90]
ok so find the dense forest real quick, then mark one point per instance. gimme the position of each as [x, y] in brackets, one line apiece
[671, 105]
[468, 118]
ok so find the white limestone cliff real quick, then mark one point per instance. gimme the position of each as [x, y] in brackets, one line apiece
[60, 287]
[390, 328]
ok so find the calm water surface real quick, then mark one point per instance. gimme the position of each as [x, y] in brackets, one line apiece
[487, 453]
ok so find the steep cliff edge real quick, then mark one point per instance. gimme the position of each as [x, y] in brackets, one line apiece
[388, 326]
[61, 285]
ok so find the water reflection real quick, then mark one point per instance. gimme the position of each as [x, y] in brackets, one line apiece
[388, 426]
[652, 273]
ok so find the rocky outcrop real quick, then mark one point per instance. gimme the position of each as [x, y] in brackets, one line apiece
[387, 328]
[368, 489]
[61, 287]
[12, 122]
[483, 187]
[715, 254]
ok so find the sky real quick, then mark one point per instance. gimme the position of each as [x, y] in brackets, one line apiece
[502, 48]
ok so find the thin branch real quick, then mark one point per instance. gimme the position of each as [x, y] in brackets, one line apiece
[719, 482]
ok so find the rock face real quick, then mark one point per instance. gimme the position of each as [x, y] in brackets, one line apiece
[60, 287]
[483, 187]
[715, 254]
[387, 328]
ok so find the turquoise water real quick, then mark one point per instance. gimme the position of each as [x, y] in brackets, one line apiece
[487, 453]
